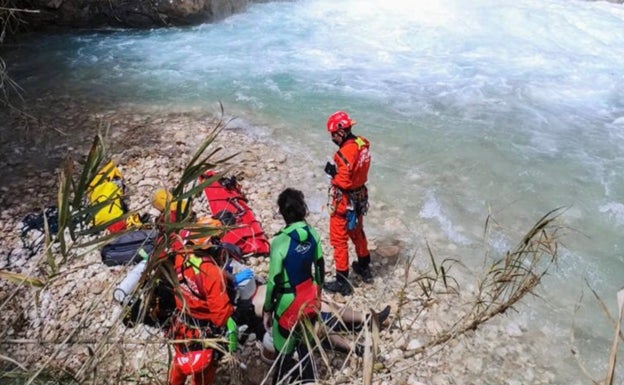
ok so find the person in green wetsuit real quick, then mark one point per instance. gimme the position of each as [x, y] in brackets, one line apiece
[293, 292]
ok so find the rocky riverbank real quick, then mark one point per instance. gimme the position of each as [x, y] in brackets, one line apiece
[126, 14]
[70, 327]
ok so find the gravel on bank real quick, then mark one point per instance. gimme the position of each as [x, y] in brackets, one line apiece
[73, 321]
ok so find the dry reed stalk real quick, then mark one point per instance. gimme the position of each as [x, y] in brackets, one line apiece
[616, 339]
[604, 309]
[617, 328]
[11, 12]
[506, 282]
[510, 278]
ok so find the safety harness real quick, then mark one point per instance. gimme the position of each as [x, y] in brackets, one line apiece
[305, 302]
[190, 327]
[357, 197]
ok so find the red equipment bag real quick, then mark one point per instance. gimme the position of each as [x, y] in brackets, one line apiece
[226, 194]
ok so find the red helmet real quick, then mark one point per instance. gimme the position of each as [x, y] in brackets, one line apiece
[192, 362]
[339, 120]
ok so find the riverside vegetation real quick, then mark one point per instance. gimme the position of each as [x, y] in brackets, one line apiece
[60, 324]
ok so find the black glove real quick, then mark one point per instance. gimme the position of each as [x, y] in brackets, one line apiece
[330, 169]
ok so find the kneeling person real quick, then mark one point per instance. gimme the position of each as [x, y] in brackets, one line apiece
[203, 308]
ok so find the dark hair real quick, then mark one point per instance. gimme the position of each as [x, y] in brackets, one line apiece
[226, 217]
[292, 205]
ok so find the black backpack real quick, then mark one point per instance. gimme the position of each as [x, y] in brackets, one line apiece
[125, 249]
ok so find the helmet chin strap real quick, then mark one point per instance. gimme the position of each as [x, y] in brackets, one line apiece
[339, 138]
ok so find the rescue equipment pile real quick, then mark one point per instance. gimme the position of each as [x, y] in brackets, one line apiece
[225, 195]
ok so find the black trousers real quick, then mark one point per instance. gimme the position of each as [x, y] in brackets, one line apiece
[303, 369]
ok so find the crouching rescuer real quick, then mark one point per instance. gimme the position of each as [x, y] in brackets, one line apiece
[348, 202]
[203, 307]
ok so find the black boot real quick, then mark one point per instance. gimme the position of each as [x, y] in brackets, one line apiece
[382, 316]
[340, 285]
[362, 268]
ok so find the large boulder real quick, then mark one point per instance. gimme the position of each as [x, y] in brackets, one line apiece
[128, 13]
